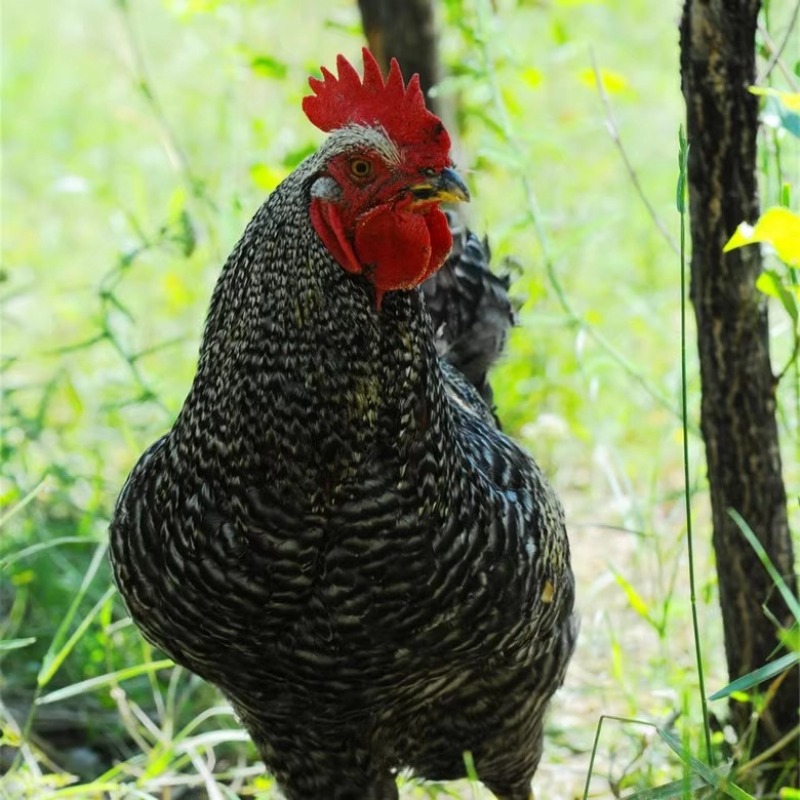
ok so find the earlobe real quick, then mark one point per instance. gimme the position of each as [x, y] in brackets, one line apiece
[326, 188]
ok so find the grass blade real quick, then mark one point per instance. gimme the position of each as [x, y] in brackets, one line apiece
[32, 495]
[56, 652]
[791, 601]
[709, 775]
[672, 789]
[7, 561]
[16, 644]
[51, 665]
[103, 680]
[88, 789]
[758, 676]
[603, 718]
[635, 600]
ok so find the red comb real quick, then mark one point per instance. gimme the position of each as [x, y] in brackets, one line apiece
[399, 109]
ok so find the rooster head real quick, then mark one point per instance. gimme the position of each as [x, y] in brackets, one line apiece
[384, 171]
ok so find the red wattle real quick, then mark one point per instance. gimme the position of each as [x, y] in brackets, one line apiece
[400, 249]
[441, 240]
[328, 225]
[393, 247]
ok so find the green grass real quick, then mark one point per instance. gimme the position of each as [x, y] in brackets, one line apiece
[138, 139]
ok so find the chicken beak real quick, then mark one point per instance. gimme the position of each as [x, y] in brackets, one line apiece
[446, 187]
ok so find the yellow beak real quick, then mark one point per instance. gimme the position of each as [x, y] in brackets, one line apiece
[446, 187]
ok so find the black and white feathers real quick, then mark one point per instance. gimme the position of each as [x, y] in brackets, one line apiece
[470, 308]
[336, 534]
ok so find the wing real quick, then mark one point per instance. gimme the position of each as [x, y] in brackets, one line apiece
[470, 309]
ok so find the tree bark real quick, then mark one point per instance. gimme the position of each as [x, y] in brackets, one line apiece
[738, 419]
[405, 31]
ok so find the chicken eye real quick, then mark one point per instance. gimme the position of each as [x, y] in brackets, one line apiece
[360, 168]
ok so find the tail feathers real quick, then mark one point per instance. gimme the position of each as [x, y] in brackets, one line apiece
[470, 309]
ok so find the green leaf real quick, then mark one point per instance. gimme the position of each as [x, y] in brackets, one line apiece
[469, 766]
[72, 396]
[268, 67]
[635, 600]
[789, 120]
[186, 235]
[266, 177]
[611, 82]
[710, 776]
[781, 109]
[758, 675]
[532, 77]
[790, 99]
[176, 203]
[294, 157]
[778, 226]
[559, 32]
[771, 284]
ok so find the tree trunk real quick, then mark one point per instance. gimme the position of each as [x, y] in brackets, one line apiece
[738, 388]
[408, 31]
[405, 31]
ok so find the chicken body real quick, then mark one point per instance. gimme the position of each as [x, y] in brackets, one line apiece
[335, 533]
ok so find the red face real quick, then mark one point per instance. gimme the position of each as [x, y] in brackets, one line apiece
[385, 221]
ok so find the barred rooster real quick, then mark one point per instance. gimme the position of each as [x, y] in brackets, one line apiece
[334, 532]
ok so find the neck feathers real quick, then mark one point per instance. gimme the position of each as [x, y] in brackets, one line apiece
[299, 374]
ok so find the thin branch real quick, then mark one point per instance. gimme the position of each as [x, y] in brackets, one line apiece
[765, 755]
[142, 80]
[775, 58]
[776, 53]
[792, 358]
[613, 130]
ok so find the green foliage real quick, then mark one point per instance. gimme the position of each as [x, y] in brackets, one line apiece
[788, 661]
[765, 673]
[150, 133]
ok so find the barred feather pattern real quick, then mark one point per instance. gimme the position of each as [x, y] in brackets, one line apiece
[335, 533]
[470, 308]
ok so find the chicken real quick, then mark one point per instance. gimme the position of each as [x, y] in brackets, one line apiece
[334, 532]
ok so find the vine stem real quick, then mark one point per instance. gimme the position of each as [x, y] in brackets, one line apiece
[683, 156]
